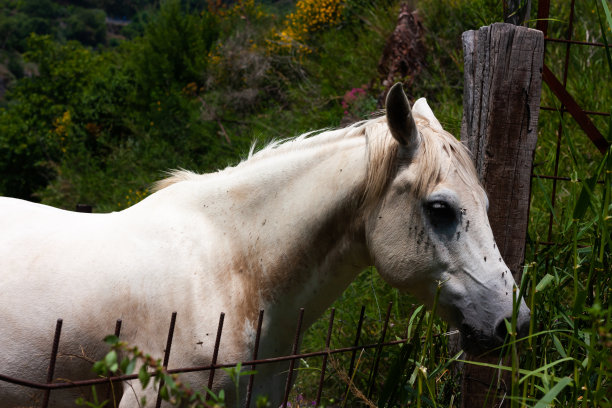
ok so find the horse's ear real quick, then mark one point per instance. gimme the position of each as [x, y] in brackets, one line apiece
[399, 117]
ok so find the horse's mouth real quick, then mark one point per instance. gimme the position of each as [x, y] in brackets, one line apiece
[488, 340]
[477, 342]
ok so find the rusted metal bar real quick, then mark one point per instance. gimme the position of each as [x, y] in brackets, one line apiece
[255, 351]
[65, 385]
[169, 341]
[355, 347]
[560, 40]
[110, 383]
[562, 109]
[52, 360]
[287, 358]
[296, 341]
[213, 363]
[372, 381]
[558, 89]
[547, 243]
[210, 367]
[122, 378]
[324, 364]
[24, 383]
[542, 176]
[166, 356]
[543, 12]
[575, 110]
[542, 25]
[118, 327]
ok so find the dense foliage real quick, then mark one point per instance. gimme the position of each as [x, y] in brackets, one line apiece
[193, 91]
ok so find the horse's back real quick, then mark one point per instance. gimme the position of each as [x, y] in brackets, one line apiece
[35, 239]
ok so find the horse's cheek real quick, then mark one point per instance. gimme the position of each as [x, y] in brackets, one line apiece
[393, 251]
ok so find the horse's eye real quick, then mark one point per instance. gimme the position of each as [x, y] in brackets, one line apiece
[441, 212]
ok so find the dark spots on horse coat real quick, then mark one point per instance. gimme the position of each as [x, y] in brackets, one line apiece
[467, 225]
[458, 235]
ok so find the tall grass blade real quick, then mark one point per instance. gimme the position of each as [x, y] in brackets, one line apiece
[394, 379]
[607, 12]
[547, 399]
[603, 31]
[544, 368]
[586, 197]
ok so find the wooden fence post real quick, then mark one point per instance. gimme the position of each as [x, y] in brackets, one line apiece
[501, 103]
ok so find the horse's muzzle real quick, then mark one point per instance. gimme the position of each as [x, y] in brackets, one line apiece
[478, 341]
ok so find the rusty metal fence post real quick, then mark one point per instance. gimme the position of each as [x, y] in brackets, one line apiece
[166, 357]
[52, 361]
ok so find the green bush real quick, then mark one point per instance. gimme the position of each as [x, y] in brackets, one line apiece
[88, 26]
[173, 51]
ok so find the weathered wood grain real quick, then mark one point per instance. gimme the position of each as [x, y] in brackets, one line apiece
[501, 99]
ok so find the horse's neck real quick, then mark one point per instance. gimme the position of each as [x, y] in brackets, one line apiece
[297, 235]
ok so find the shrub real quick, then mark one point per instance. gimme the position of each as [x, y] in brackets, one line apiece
[88, 26]
[310, 17]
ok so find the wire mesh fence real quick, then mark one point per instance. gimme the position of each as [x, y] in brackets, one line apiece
[573, 116]
[350, 351]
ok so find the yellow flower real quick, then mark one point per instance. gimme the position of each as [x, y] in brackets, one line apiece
[310, 16]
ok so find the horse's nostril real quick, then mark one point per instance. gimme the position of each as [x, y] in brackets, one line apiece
[522, 327]
[500, 330]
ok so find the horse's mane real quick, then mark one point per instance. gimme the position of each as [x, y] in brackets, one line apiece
[381, 151]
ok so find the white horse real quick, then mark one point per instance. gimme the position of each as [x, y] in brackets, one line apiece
[289, 227]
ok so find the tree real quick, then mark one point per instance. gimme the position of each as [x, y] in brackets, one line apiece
[175, 48]
[88, 26]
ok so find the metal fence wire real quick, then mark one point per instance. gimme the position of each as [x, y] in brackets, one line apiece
[569, 49]
[51, 385]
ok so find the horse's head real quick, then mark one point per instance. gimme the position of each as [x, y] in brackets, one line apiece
[431, 228]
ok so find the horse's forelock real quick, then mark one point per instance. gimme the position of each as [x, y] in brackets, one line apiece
[382, 151]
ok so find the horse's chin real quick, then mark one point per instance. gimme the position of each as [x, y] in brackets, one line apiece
[476, 342]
